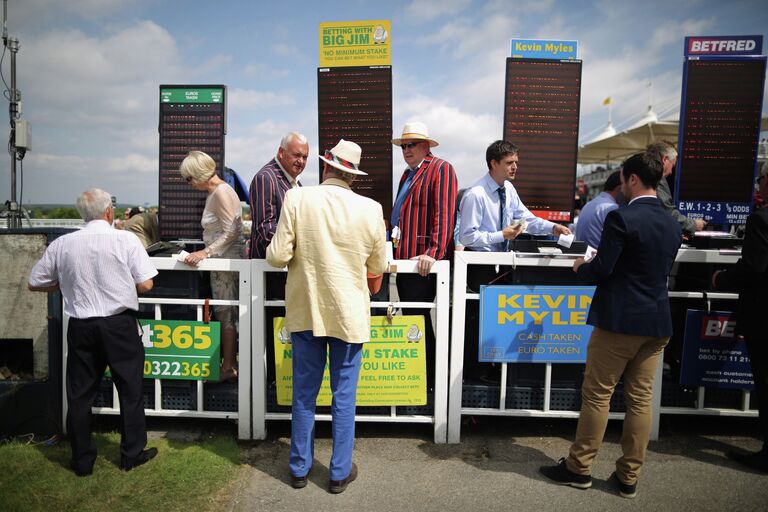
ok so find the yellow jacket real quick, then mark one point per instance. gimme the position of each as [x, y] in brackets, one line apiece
[328, 236]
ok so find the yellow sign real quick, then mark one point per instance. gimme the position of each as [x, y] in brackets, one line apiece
[393, 368]
[355, 43]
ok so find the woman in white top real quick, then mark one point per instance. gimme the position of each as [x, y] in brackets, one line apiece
[223, 237]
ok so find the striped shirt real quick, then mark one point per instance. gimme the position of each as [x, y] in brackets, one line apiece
[97, 270]
[266, 199]
[428, 213]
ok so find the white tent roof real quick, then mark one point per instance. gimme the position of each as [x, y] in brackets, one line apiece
[607, 148]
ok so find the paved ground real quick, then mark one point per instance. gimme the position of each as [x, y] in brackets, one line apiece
[495, 468]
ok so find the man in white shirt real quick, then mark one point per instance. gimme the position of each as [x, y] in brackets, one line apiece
[99, 271]
[491, 214]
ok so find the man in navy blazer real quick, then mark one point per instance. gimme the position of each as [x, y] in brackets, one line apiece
[632, 325]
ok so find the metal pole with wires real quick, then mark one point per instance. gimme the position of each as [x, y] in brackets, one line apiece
[16, 148]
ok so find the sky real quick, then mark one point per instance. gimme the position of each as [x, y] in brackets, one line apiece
[89, 73]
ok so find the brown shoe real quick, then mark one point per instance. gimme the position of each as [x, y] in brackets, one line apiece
[339, 486]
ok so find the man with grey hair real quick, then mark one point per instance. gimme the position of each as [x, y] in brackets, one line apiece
[99, 271]
[667, 155]
[330, 238]
[267, 191]
[269, 187]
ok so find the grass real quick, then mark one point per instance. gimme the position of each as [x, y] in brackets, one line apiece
[185, 476]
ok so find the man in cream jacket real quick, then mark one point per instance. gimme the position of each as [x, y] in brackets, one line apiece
[329, 238]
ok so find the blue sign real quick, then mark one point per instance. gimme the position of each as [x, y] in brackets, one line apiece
[723, 45]
[716, 212]
[534, 324]
[543, 49]
[712, 354]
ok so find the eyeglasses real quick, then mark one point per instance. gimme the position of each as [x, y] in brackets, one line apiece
[409, 145]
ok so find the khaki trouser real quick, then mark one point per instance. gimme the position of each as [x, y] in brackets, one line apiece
[609, 355]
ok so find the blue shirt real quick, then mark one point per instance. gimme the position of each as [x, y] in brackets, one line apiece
[592, 216]
[479, 228]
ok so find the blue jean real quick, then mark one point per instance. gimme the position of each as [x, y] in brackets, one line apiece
[309, 358]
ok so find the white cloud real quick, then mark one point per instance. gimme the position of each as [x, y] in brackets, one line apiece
[523, 7]
[286, 50]
[106, 78]
[426, 10]
[264, 71]
[60, 178]
[463, 136]
[250, 99]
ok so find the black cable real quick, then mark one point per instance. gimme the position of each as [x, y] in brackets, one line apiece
[21, 184]
[7, 91]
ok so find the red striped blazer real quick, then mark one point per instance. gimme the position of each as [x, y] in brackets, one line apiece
[266, 195]
[428, 213]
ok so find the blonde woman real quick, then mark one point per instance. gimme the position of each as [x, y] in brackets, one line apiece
[223, 237]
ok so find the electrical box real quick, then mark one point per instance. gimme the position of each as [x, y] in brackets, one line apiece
[23, 134]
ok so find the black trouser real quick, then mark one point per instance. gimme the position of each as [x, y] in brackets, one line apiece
[415, 288]
[94, 343]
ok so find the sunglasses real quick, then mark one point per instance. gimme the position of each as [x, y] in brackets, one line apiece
[409, 145]
[188, 179]
[760, 179]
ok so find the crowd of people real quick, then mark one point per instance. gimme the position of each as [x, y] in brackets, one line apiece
[332, 242]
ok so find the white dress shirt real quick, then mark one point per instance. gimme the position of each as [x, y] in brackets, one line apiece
[97, 270]
[480, 228]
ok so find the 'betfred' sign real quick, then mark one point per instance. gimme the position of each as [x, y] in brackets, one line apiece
[723, 45]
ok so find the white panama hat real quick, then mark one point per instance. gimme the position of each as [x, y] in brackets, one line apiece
[345, 156]
[415, 130]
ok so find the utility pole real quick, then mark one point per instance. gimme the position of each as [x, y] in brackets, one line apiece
[16, 151]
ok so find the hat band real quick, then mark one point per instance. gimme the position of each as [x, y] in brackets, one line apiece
[340, 161]
[414, 136]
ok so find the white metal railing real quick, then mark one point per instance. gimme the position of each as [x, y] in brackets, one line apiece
[460, 298]
[243, 413]
[441, 307]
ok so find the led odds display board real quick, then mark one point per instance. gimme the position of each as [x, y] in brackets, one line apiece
[192, 117]
[354, 100]
[541, 117]
[355, 103]
[723, 81]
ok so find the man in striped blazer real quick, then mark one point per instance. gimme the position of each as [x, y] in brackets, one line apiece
[269, 187]
[266, 195]
[422, 221]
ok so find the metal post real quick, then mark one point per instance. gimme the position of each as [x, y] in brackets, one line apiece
[14, 217]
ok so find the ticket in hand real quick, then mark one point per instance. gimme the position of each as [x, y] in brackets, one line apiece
[565, 240]
[591, 251]
[181, 256]
[519, 222]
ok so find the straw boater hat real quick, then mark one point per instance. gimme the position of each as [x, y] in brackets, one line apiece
[415, 130]
[345, 156]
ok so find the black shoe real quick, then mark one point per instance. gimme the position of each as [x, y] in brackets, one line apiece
[625, 490]
[144, 457]
[80, 472]
[563, 476]
[753, 460]
[298, 482]
[339, 486]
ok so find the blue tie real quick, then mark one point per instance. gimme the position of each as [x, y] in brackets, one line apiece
[503, 214]
[401, 197]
